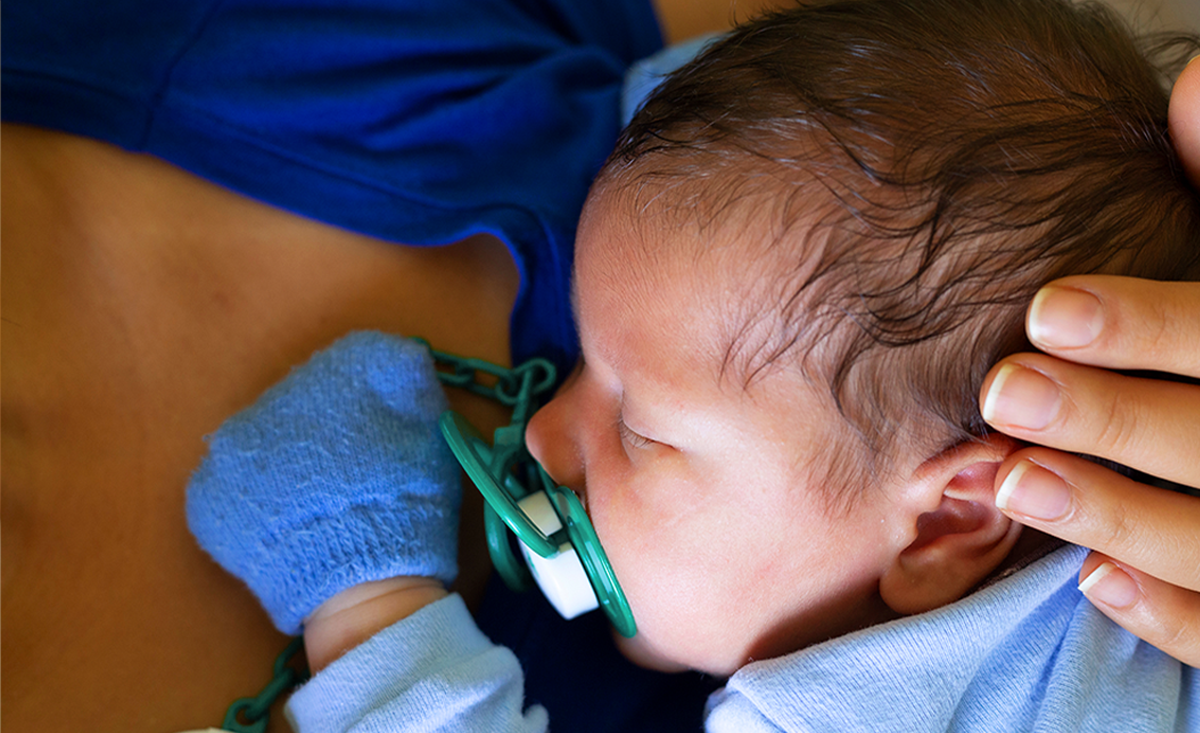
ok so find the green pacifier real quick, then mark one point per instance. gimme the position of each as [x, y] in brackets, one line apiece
[561, 551]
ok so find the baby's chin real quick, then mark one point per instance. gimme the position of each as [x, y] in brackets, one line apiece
[643, 655]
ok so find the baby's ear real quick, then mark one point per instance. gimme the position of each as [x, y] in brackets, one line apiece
[958, 537]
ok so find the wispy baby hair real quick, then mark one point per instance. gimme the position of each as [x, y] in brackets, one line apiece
[925, 166]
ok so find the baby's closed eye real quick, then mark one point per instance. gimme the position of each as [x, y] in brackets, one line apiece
[631, 438]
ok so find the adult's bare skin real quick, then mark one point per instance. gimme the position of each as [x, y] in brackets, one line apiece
[141, 307]
[1145, 574]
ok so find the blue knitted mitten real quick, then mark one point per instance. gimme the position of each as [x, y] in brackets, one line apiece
[336, 476]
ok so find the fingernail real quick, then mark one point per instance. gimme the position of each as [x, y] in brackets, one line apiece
[1033, 491]
[1109, 585]
[1064, 318]
[1021, 397]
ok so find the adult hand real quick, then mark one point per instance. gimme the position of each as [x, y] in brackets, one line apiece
[336, 477]
[1145, 574]
[1148, 577]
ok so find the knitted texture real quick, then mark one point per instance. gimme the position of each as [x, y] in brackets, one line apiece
[336, 476]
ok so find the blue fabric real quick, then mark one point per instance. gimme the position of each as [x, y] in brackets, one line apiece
[645, 76]
[433, 671]
[416, 121]
[336, 476]
[1028, 653]
[570, 665]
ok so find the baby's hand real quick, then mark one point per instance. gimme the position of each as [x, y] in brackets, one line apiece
[335, 477]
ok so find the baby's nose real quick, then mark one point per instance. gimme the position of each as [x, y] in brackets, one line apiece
[551, 441]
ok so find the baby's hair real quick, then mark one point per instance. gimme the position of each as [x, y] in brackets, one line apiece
[922, 168]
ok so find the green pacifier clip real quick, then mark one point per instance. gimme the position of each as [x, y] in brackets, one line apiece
[506, 474]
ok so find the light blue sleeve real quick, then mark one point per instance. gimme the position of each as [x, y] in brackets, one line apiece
[433, 671]
[645, 76]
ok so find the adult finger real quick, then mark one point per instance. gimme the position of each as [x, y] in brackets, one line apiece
[1074, 499]
[1184, 120]
[1149, 424]
[1163, 614]
[1119, 322]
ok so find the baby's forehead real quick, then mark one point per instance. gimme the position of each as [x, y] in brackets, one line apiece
[728, 278]
[655, 235]
[677, 299]
[730, 219]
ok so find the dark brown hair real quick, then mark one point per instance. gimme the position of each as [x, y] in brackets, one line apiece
[925, 166]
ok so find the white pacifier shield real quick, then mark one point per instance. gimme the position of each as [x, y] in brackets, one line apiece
[561, 576]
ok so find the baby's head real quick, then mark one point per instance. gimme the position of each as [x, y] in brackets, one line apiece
[791, 278]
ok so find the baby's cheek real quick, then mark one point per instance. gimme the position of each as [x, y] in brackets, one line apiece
[667, 599]
[662, 569]
[639, 567]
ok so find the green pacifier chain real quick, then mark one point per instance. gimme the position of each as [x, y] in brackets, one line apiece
[507, 475]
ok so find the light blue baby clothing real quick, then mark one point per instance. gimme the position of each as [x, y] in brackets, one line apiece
[1027, 653]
